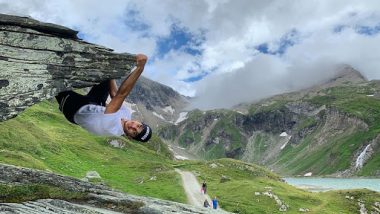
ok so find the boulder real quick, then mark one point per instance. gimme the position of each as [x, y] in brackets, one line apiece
[213, 165]
[99, 199]
[224, 179]
[93, 177]
[38, 60]
[117, 143]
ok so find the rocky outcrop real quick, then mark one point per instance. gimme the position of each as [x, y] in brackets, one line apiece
[336, 123]
[283, 207]
[100, 199]
[38, 60]
[155, 103]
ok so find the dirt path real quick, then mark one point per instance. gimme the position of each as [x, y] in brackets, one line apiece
[192, 189]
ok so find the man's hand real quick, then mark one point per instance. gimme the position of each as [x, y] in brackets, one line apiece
[141, 60]
[127, 85]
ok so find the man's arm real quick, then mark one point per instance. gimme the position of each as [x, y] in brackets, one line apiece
[127, 85]
[113, 88]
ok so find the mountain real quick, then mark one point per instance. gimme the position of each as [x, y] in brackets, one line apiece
[41, 138]
[328, 129]
[155, 103]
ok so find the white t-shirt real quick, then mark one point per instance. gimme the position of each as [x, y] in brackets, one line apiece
[93, 119]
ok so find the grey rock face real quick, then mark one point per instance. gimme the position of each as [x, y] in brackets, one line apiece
[156, 104]
[100, 199]
[38, 60]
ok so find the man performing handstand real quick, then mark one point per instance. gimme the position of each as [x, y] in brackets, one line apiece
[91, 112]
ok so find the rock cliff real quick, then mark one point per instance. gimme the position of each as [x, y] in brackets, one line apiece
[38, 60]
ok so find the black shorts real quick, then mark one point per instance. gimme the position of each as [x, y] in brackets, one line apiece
[70, 102]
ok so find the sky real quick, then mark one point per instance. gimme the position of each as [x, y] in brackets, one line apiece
[225, 52]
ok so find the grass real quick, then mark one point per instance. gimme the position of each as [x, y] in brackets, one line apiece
[353, 100]
[188, 138]
[41, 138]
[31, 192]
[229, 137]
[238, 194]
[259, 145]
[20, 193]
[334, 156]
[306, 122]
[340, 150]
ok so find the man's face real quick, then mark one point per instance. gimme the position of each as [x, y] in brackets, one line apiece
[132, 128]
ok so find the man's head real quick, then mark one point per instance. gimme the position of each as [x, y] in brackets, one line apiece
[137, 130]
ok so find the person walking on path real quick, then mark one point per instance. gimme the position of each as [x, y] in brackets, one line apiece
[206, 204]
[204, 187]
[93, 114]
[215, 203]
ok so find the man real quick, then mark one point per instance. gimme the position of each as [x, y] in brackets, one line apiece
[215, 203]
[204, 187]
[91, 112]
[206, 204]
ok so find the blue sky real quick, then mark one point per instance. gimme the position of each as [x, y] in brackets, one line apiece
[225, 52]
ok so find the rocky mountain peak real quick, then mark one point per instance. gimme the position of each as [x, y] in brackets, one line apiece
[347, 74]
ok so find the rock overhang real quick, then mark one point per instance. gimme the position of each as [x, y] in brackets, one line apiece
[38, 60]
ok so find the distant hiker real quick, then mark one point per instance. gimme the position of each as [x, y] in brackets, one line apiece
[206, 204]
[215, 203]
[91, 112]
[204, 187]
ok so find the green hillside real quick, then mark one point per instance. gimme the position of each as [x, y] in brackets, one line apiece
[338, 153]
[41, 138]
[238, 190]
[329, 128]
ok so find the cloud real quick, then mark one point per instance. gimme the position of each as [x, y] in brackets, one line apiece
[217, 41]
[262, 77]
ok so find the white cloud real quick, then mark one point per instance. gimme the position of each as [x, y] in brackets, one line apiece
[172, 69]
[231, 30]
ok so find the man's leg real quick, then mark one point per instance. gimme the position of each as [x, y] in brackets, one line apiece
[99, 93]
[70, 102]
[62, 98]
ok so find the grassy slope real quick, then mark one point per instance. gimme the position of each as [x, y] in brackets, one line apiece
[338, 154]
[20, 193]
[335, 156]
[41, 138]
[238, 194]
[354, 101]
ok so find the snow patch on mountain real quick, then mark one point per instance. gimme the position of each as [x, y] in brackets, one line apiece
[288, 137]
[158, 115]
[169, 109]
[182, 117]
[179, 157]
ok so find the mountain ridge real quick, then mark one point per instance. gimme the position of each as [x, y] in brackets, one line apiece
[333, 113]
